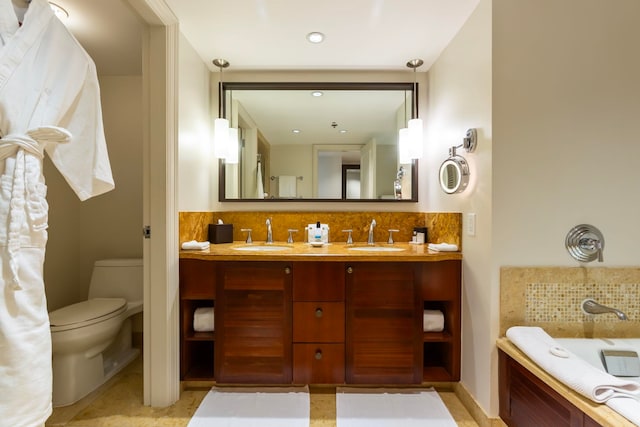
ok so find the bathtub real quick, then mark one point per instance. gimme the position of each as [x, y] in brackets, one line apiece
[527, 391]
[590, 349]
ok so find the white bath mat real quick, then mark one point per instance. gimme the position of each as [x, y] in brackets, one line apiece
[383, 407]
[253, 407]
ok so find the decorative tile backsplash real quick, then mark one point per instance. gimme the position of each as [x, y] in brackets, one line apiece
[550, 297]
[560, 302]
[443, 227]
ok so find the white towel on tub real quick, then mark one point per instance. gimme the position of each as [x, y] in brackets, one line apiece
[627, 407]
[574, 372]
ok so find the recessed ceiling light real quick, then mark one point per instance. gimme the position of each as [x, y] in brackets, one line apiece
[343, 131]
[59, 11]
[315, 37]
[295, 130]
[317, 93]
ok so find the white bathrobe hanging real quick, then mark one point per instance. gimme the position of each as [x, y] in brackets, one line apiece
[49, 102]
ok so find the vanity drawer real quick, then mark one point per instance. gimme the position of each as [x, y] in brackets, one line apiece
[318, 363]
[318, 322]
[318, 281]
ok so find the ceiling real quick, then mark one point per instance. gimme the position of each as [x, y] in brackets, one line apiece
[270, 34]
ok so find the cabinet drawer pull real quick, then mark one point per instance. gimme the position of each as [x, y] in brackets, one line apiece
[318, 355]
[287, 270]
[319, 312]
[349, 270]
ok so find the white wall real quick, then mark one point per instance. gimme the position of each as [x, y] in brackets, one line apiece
[329, 175]
[109, 225]
[386, 171]
[292, 160]
[459, 98]
[566, 102]
[197, 179]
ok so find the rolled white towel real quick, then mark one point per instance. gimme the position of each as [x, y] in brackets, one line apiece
[443, 247]
[195, 245]
[433, 321]
[203, 319]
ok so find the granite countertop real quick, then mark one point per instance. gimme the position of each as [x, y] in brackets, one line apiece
[329, 252]
[600, 412]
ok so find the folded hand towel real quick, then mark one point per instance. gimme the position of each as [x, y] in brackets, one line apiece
[203, 319]
[195, 245]
[574, 372]
[432, 321]
[443, 247]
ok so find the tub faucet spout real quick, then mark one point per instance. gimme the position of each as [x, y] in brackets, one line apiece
[589, 306]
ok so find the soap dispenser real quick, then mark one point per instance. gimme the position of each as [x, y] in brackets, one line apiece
[317, 233]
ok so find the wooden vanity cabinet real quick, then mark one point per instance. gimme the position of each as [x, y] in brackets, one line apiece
[383, 323]
[253, 322]
[197, 289]
[318, 323]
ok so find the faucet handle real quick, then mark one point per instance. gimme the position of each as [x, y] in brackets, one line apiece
[391, 231]
[290, 238]
[248, 231]
[349, 238]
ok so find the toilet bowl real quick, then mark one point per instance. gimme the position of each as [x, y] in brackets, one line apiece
[91, 340]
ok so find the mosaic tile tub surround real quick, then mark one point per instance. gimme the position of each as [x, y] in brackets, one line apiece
[550, 297]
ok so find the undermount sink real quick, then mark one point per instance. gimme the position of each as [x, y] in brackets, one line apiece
[376, 249]
[261, 248]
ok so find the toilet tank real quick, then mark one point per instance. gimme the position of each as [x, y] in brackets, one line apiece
[117, 278]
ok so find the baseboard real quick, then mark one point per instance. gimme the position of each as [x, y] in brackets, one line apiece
[474, 408]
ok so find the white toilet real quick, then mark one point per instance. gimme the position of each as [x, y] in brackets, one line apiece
[91, 340]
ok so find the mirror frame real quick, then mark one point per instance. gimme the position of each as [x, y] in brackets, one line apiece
[223, 87]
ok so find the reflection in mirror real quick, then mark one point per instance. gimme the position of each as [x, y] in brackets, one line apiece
[318, 141]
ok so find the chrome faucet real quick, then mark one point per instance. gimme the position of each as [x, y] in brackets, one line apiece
[371, 227]
[589, 306]
[269, 231]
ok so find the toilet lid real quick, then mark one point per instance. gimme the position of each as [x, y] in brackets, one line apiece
[87, 312]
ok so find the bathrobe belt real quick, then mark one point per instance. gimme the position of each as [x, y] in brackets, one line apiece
[31, 142]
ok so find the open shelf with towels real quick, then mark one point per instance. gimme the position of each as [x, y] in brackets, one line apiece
[197, 290]
[441, 289]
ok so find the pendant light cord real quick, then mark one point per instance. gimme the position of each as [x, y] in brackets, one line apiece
[221, 64]
[415, 63]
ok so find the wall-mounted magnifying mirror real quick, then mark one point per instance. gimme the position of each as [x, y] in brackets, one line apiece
[454, 175]
[342, 138]
[454, 172]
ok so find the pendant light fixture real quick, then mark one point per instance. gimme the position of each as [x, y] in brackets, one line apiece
[220, 125]
[415, 132]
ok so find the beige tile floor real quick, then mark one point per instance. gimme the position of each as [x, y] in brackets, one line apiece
[118, 403]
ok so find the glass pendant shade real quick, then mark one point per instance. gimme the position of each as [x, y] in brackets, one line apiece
[220, 138]
[415, 138]
[233, 145]
[404, 156]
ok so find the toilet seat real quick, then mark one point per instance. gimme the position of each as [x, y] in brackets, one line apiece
[86, 313]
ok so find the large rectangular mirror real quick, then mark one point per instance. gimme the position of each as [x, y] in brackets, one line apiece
[318, 142]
